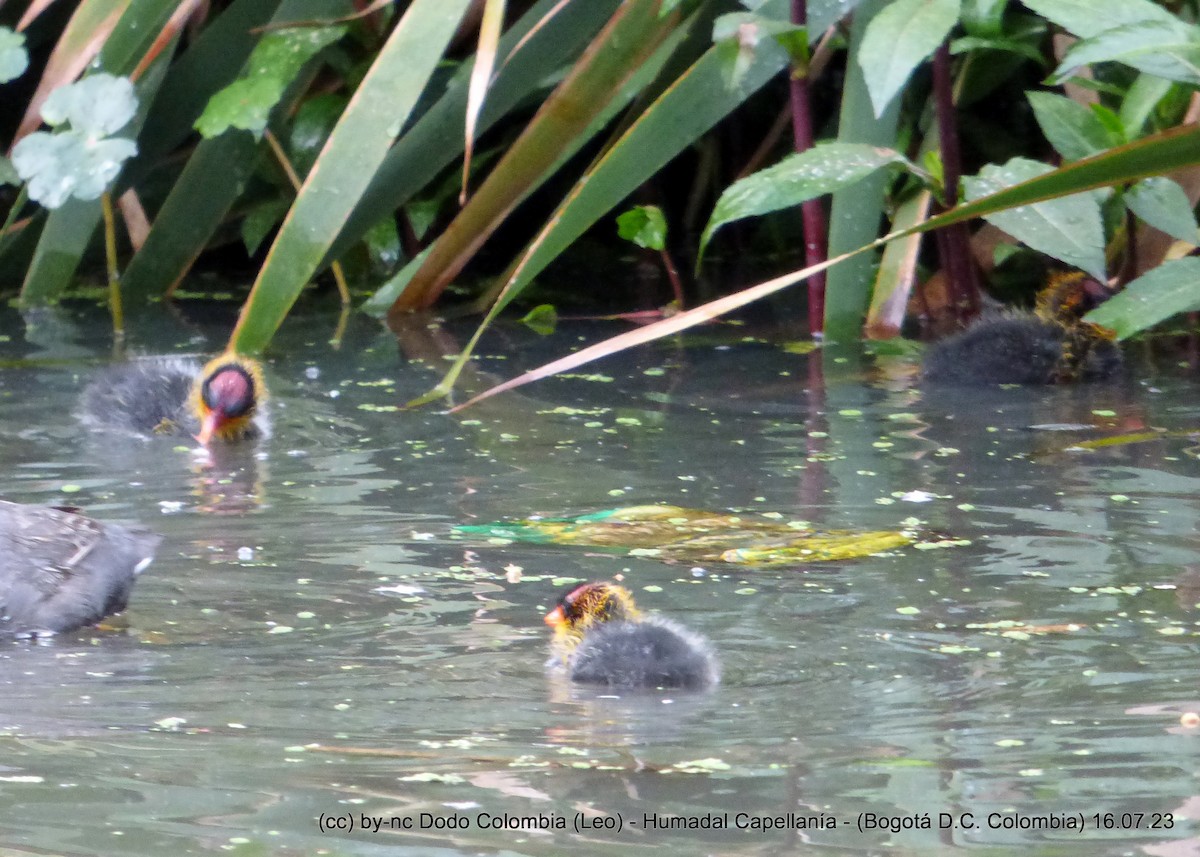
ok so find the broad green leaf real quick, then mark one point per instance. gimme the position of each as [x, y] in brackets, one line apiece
[1164, 205]
[247, 102]
[13, 59]
[8, 174]
[900, 38]
[1173, 287]
[96, 106]
[310, 128]
[355, 149]
[645, 226]
[1167, 49]
[1073, 130]
[1087, 18]
[824, 168]
[1069, 229]
[984, 18]
[259, 221]
[1020, 47]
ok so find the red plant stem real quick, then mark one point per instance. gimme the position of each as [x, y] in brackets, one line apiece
[957, 257]
[812, 213]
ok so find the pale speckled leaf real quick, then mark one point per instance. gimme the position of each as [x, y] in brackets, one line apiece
[1167, 49]
[1087, 18]
[824, 168]
[1173, 287]
[1068, 228]
[899, 39]
[99, 105]
[13, 59]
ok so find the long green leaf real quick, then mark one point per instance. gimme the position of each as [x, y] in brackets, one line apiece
[630, 38]
[695, 102]
[436, 139]
[848, 287]
[1159, 153]
[351, 156]
[196, 205]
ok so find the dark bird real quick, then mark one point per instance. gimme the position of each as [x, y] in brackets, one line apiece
[600, 637]
[223, 400]
[1051, 345]
[60, 570]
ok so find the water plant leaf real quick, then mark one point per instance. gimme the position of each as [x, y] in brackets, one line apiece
[91, 24]
[353, 153]
[78, 162]
[899, 39]
[1163, 204]
[99, 105]
[1173, 287]
[644, 225]
[824, 168]
[542, 319]
[1155, 154]
[13, 58]
[277, 59]
[69, 229]
[1068, 229]
[68, 164]
[1074, 130]
[1168, 49]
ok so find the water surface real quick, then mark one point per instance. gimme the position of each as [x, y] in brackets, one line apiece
[311, 647]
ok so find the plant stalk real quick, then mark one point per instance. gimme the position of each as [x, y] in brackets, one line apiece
[812, 213]
[114, 276]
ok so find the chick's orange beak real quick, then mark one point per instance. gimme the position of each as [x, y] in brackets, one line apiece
[555, 617]
[209, 426]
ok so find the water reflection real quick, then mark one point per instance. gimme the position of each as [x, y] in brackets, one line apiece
[311, 642]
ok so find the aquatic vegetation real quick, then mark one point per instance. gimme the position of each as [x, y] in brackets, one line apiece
[677, 534]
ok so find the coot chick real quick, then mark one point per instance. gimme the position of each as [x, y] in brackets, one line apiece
[60, 570]
[1022, 348]
[1051, 345]
[600, 637]
[223, 400]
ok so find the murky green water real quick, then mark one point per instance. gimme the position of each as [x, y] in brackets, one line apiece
[311, 648]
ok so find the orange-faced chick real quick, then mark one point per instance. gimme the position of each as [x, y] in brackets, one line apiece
[600, 637]
[222, 400]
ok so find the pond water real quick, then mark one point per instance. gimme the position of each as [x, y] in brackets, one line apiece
[311, 649]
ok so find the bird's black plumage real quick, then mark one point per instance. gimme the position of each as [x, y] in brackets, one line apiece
[60, 570]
